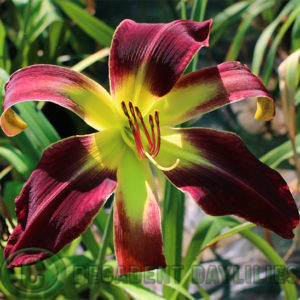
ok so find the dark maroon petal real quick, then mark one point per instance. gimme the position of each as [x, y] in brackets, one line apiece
[229, 180]
[59, 85]
[137, 224]
[63, 194]
[202, 91]
[139, 247]
[156, 54]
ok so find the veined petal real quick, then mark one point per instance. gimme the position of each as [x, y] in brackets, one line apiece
[224, 178]
[63, 194]
[146, 60]
[210, 88]
[62, 86]
[137, 224]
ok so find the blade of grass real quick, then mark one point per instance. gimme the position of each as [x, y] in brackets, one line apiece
[183, 10]
[4, 57]
[91, 59]
[188, 274]
[94, 27]
[262, 42]
[101, 256]
[90, 242]
[272, 53]
[172, 225]
[288, 286]
[138, 292]
[296, 34]
[18, 159]
[277, 155]
[198, 13]
[255, 9]
[225, 19]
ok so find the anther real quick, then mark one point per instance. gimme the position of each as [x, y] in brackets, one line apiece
[156, 117]
[138, 113]
[131, 108]
[125, 109]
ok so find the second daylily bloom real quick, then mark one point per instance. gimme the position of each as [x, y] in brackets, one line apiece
[149, 95]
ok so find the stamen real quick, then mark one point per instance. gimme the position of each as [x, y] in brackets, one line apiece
[154, 146]
[138, 142]
[138, 134]
[153, 134]
[125, 109]
[158, 134]
[161, 167]
[144, 126]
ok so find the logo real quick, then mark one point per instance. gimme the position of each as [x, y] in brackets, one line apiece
[41, 280]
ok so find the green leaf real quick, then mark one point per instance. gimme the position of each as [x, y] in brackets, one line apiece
[58, 35]
[101, 221]
[90, 242]
[39, 125]
[138, 292]
[277, 155]
[262, 42]
[225, 19]
[198, 13]
[198, 10]
[38, 135]
[11, 190]
[288, 286]
[3, 78]
[94, 27]
[102, 253]
[207, 229]
[172, 225]
[43, 14]
[291, 72]
[19, 160]
[297, 97]
[172, 283]
[4, 57]
[228, 15]
[272, 53]
[255, 9]
[296, 34]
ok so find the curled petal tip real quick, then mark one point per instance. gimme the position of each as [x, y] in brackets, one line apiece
[11, 123]
[265, 110]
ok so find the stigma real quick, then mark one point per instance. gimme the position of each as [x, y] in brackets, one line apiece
[151, 149]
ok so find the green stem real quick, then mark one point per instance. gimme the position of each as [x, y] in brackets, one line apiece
[183, 10]
[198, 13]
[101, 257]
[22, 47]
[91, 59]
[173, 216]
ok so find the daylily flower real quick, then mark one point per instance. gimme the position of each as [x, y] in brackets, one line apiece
[149, 95]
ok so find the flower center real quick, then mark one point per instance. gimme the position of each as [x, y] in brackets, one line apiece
[153, 141]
